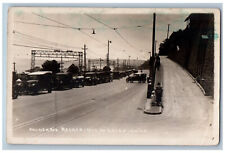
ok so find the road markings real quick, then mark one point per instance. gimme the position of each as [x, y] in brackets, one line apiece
[20, 125]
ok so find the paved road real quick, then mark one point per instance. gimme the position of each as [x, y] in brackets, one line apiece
[112, 113]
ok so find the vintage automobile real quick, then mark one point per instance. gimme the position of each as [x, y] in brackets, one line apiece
[122, 74]
[20, 83]
[128, 72]
[14, 86]
[140, 77]
[134, 71]
[63, 81]
[39, 81]
[116, 75]
[91, 79]
[100, 77]
[78, 81]
[104, 77]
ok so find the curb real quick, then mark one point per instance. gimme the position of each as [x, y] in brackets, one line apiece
[198, 84]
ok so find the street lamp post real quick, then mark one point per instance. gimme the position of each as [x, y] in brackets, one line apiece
[108, 52]
[129, 62]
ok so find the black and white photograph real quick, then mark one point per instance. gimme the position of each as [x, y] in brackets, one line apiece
[113, 76]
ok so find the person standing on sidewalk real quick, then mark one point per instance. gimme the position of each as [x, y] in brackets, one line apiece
[158, 93]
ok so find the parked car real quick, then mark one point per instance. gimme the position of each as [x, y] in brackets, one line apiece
[128, 72]
[116, 75]
[140, 77]
[122, 74]
[63, 81]
[104, 77]
[39, 81]
[78, 81]
[91, 79]
[14, 86]
[134, 71]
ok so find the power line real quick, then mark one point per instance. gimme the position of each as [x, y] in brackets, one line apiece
[104, 44]
[114, 29]
[124, 39]
[32, 43]
[99, 21]
[39, 24]
[28, 46]
[52, 20]
[79, 29]
[66, 27]
[44, 41]
[26, 40]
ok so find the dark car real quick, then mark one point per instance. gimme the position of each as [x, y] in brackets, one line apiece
[20, 84]
[140, 77]
[78, 81]
[122, 74]
[104, 77]
[14, 86]
[39, 81]
[116, 75]
[63, 81]
[128, 72]
[91, 79]
[134, 71]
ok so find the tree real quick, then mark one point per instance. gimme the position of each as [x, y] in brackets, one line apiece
[106, 68]
[51, 66]
[145, 65]
[73, 69]
[164, 47]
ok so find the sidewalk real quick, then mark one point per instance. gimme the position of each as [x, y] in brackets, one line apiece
[188, 115]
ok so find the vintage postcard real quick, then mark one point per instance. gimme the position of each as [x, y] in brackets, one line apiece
[113, 76]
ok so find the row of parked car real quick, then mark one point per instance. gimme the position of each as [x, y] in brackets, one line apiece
[33, 83]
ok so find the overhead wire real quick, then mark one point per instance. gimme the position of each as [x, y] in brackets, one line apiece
[75, 28]
[28, 46]
[112, 28]
[44, 40]
[26, 40]
[79, 29]
[99, 21]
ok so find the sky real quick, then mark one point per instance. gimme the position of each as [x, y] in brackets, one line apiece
[58, 29]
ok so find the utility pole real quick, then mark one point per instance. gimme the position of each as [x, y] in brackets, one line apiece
[114, 65]
[33, 53]
[100, 63]
[129, 62]
[153, 36]
[80, 60]
[61, 64]
[168, 31]
[85, 66]
[108, 52]
[137, 63]
[14, 67]
[151, 62]
[89, 65]
[155, 45]
[117, 64]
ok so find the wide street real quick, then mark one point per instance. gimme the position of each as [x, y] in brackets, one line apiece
[113, 113]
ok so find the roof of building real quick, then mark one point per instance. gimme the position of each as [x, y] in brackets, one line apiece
[40, 73]
[199, 16]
